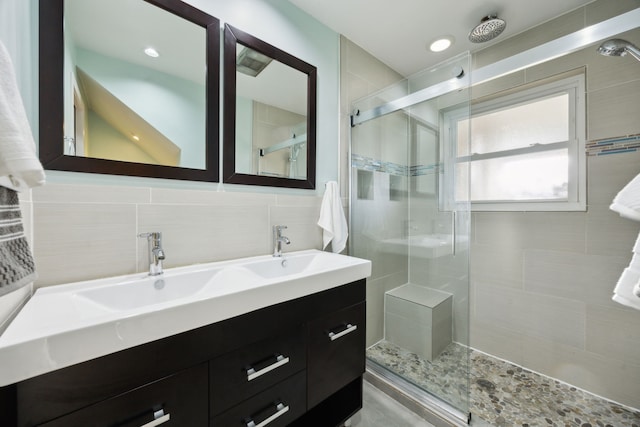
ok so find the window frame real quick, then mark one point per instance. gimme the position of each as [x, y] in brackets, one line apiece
[574, 86]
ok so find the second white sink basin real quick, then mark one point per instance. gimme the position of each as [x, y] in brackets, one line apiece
[288, 265]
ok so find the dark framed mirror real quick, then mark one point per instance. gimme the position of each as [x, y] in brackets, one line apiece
[129, 87]
[269, 114]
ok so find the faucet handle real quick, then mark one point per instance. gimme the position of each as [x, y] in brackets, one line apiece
[277, 229]
[152, 235]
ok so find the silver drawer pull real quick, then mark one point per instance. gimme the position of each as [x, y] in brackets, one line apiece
[281, 411]
[252, 374]
[160, 418]
[350, 328]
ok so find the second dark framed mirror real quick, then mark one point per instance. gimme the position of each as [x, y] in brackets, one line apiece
[269, 114]
[129, 87]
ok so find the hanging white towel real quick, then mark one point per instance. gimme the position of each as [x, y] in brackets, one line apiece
[635, 265]
[624, 291]
[627, 201]
[19, 167]
[332, 219]
[627, 290]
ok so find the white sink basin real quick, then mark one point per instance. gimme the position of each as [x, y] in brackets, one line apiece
[68, 324]
[149, 290]
[287, 265]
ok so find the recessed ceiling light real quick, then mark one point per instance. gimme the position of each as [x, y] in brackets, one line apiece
[151, 52]
[441, 43]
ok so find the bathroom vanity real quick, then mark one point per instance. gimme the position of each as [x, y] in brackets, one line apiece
[296, 362]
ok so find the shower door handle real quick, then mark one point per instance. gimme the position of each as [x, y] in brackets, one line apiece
[453, 232]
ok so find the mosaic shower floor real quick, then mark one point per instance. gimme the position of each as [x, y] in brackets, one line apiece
[502, 394]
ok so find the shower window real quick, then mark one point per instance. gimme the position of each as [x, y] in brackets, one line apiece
[527, 150]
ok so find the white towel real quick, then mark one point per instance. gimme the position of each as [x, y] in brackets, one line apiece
[627, 290]
[635, 265]
[627, 201]
[332, 219]
[19, 167]
[624, 291]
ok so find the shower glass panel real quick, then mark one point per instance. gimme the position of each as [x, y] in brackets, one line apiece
[410, 217]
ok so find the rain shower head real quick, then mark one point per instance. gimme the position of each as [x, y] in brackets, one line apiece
[489, 28]
[619, 47]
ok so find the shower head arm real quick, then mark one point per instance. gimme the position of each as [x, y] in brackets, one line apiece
[633, 51]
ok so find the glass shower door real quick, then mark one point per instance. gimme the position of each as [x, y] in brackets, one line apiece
[408, 219]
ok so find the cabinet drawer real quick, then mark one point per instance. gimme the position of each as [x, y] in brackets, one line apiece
[275, 407]
[247, 371]
[178, 400]
[336, 352]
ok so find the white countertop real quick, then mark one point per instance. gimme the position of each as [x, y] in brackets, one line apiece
[68, 324]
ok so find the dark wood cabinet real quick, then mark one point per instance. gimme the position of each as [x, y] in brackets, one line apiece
[277, 406]
[297, 363]
[247, 371]
[179, 400]
[336, 352]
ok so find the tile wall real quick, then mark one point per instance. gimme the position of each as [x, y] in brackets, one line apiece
[541, 283]
[85, 231]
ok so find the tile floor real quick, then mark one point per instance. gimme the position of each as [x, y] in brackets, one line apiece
[380, 410]
[503, 394]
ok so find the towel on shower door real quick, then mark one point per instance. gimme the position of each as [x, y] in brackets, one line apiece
[332, 219]
[20, 169]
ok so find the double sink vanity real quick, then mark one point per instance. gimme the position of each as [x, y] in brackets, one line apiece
[251, 342]
[255, 342]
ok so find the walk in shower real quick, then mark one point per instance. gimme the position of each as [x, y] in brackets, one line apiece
[410, 216]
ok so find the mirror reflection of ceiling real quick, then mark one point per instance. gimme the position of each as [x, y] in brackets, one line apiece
[122, 29]
[277, 85]
[122, 118]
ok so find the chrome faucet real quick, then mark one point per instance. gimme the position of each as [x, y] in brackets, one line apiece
[156, 253]
[278, 239]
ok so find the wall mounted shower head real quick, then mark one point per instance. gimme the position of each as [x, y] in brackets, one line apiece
[619, 47]
[489, 28]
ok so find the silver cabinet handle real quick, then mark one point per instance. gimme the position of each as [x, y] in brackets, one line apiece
[350, 328]
[252, 374]
[281, 410]
[160, 418]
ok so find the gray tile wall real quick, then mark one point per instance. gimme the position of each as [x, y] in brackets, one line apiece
[81, 232]
[541, 283]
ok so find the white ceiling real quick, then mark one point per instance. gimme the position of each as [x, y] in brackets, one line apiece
[398, 32]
